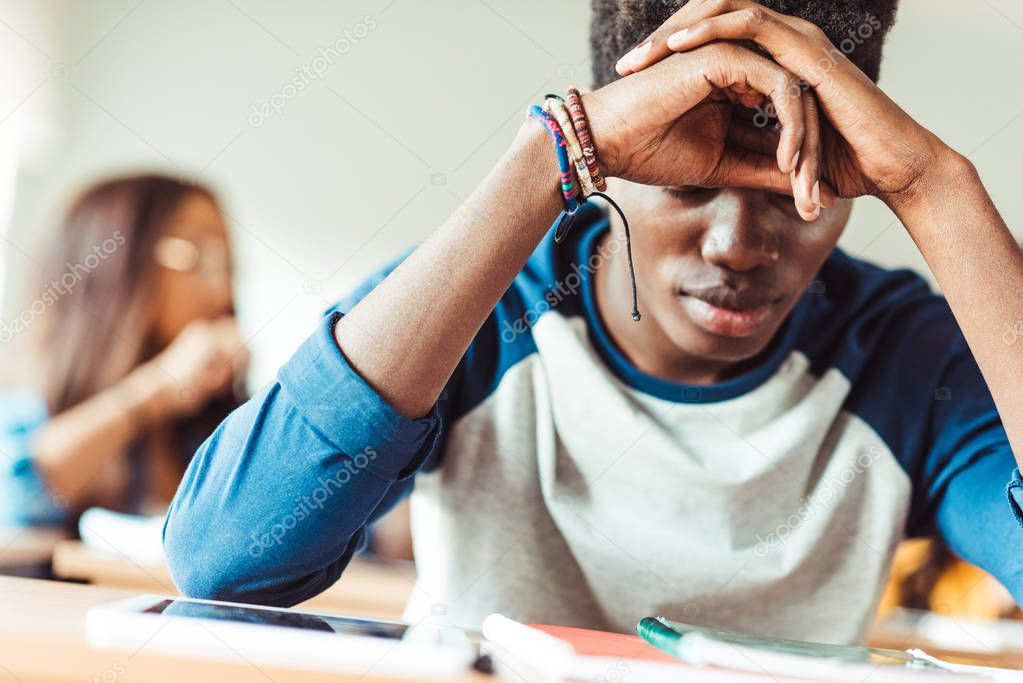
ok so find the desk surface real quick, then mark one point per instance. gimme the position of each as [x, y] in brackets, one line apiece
[42, 638]
[380, 589]
[370, 588]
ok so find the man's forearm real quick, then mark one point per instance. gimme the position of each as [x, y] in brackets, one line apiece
[979, 267]
[407, 336]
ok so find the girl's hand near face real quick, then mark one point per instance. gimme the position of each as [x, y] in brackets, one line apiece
[199, 365]
[74, 448]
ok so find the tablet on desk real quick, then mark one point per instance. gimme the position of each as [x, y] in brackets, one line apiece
[271, 636]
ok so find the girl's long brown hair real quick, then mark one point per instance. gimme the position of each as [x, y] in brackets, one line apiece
[101, 289]
[101, 281]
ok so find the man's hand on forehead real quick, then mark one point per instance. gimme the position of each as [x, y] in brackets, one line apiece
[869, 145]
[672, 125]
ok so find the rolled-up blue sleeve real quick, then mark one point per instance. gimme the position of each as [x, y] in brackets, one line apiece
[335, 401]
[276, 501]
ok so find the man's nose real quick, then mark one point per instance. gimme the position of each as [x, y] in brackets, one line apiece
[740, 236]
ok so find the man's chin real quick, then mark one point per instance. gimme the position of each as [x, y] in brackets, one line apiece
[699, 342]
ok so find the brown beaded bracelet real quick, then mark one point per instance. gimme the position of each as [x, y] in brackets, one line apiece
[580, 123]
[556, 107]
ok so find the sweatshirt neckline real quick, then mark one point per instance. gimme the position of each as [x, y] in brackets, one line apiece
[623, 368]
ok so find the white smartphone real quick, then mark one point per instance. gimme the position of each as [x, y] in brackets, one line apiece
[272, 636]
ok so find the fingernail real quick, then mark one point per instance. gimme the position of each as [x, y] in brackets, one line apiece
[625, 63]
[637, 54]
[815, 195]
[677, 38]
[810, 216]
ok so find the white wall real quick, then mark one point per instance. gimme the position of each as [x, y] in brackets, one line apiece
[373, 155]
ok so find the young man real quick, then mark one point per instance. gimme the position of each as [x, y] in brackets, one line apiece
[747, 455]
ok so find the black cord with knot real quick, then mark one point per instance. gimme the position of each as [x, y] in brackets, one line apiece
[564, 226]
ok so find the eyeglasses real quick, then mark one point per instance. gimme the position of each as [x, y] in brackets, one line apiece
[208, 257]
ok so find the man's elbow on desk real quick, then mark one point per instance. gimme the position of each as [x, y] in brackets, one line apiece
[200, 567]
[203, 567]
[209, 560]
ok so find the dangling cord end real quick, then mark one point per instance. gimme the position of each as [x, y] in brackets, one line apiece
[628, 252]
[563, 227]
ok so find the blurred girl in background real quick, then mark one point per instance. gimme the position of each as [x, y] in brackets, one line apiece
[138, 357]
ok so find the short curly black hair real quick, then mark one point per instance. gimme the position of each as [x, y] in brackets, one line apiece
[856, 27]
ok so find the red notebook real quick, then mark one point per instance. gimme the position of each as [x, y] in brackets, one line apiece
[588, 643]
[578, 654]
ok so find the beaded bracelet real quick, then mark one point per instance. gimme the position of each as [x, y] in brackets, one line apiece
[556, 106]
[581, 126]
[568, 189]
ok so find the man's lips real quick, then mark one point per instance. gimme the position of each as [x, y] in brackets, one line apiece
[730, 312]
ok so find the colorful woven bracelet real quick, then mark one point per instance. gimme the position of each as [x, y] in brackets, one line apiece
[581, 125]
[568, 189]
[556, 106]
